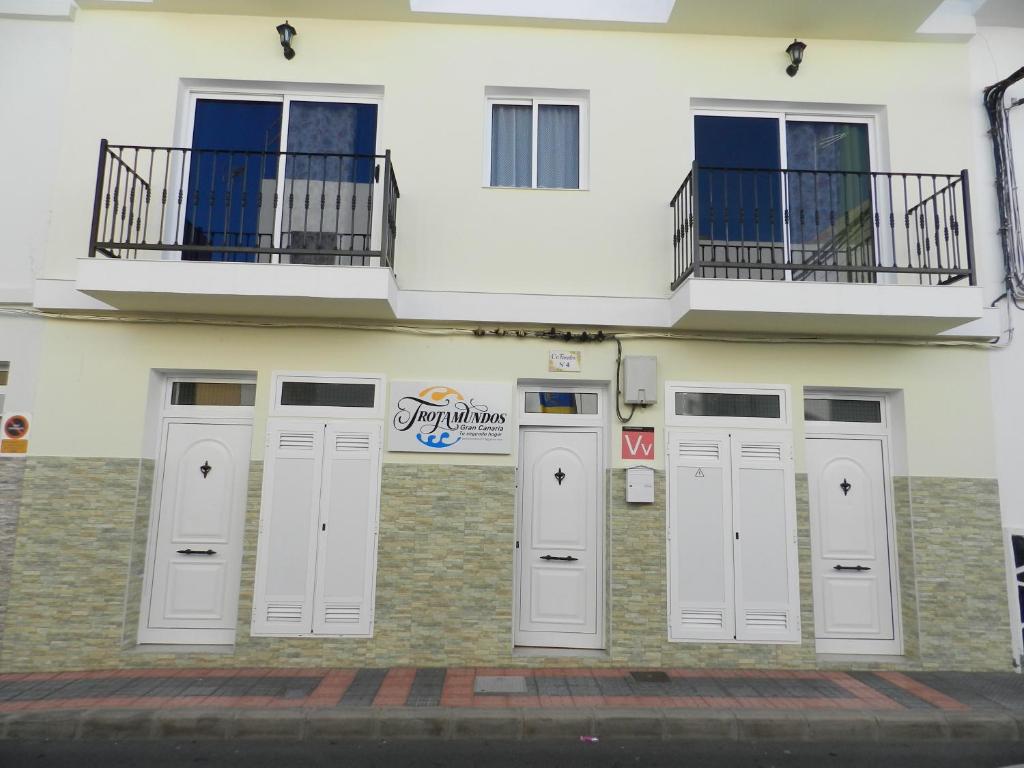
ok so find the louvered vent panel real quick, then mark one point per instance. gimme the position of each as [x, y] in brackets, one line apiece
[296, 441]
[284, 613]
[762, 451]
[698, 451]
[704, 619]
[341, 614]
[768, 619]
[352, 441]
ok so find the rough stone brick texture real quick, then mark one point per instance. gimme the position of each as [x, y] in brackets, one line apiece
[12, 471]
[960, 579]
[444, 592]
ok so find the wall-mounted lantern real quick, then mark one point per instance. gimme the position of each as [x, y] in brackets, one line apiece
[287, 32]
[796, 56]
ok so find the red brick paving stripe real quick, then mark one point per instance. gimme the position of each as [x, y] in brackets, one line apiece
[332, 687]
[922, 691]
[395, 688]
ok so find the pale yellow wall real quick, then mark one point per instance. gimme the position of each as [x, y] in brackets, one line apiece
[91, 398]
[455, 235]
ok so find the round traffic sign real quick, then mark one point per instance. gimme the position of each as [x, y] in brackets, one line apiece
[16, 427]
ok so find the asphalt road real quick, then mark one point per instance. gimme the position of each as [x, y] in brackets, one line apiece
[494, 754]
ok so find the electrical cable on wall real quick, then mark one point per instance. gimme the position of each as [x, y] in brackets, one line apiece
[1010, 231]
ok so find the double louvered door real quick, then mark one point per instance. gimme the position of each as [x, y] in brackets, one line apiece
[732, 536]
[316, 557]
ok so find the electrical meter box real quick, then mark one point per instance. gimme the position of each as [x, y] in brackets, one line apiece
[640, 380]
[640, 485]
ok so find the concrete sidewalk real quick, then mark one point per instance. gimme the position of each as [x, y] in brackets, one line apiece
[730, 705]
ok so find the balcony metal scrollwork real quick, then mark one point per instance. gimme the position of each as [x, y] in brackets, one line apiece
[244, 206]
[822, 226]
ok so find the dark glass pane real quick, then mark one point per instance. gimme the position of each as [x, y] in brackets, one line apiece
[726, 404]
[5, 369]
[332, 395]
[861, 411]
[575, 403]
[830, 186]
[233, 163]
[212, 393]
[740, 211]
[1018, 551]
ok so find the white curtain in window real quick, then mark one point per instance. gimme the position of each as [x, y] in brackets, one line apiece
[558, 146]
[511, 145]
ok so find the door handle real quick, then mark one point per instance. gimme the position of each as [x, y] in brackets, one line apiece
[568, 558]
[196, 552]
[850, 568]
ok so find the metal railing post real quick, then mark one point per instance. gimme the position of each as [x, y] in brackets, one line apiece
[695, 260]
[101, 167]
[968, 226]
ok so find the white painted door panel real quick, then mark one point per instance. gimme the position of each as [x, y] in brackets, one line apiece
[347, 532]
[289, 510]
[200, 516]
[700, 536]
[561, 485]
[764, 518]
[851, 553]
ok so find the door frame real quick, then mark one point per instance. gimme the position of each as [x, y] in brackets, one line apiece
[179, 414]
[534, 422]
[833, 430]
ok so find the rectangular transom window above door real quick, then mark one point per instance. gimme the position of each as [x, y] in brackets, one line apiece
[536, 139]
[732, 537]
[328, 395]
[317, 549]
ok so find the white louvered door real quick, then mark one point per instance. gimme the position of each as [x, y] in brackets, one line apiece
[289, 508]
[316, 555]
[700, 536]
[732, 536]
[764, 518]
[347, 533]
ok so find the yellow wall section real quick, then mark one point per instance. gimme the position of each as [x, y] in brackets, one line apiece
[94, 379]
[613, 239]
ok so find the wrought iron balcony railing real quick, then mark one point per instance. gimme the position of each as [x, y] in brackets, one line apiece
[244, 206]
[828, 226]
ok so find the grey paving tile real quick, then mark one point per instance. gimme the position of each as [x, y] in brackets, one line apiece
[894, 692]
[363, 689]
[427, 686]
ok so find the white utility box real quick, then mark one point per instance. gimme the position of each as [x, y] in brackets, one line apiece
[640, 485]
[640, 380]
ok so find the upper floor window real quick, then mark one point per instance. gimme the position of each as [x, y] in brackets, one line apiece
[775, 188]
[265, 170]
[536, 140]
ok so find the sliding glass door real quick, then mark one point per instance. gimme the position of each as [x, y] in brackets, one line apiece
[785, 197]
[243, 200]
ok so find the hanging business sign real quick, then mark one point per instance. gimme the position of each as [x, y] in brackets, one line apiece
[450, 417]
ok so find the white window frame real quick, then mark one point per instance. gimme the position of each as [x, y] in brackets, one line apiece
[327, 411]
[808, 114]
[672, 419]
[840, 428]
[209, 411]
[561, 419]
[225, 91]
[526, 97]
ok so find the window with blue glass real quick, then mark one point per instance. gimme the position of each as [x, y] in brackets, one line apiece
[783, 190]
[264, 176]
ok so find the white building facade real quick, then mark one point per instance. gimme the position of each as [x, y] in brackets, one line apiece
[481, 340]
